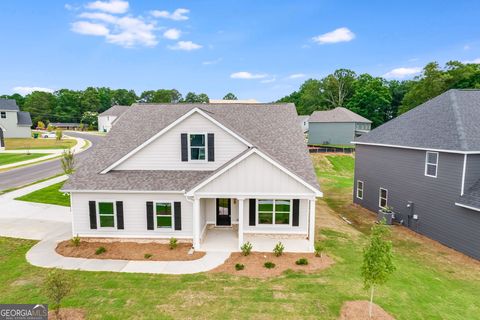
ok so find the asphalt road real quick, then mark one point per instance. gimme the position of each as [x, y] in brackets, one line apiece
[25, 175]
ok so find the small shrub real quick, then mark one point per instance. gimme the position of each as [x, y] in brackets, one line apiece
[59, 134]
[319, 248]
[173, 243]
[75, 241]
[56, 286]
[278, 250]
[246, 248]
[100, 250]
[147, 255]
[239, 266]
[269, 265]
[301, 262]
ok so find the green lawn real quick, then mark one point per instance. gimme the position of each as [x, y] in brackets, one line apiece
[430, 283]
[40, 143]
[49, 195]
[8, 158]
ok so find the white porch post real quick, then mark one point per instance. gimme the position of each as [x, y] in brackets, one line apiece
[196, 223]
[240, 222]
[311, 232]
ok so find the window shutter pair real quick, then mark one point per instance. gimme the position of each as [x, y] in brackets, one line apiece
[177, 218]
[92, 205]
[210, 144]
[295, 212]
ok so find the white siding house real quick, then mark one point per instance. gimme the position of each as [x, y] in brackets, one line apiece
[108, 118]
[13, 122]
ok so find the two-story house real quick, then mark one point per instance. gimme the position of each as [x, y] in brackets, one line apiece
[13, 122]
[182, 170]
[107, 118]
[426, 165]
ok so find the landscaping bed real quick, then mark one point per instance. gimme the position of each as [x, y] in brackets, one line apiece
[358, 310]
[123, 250]
[254, 264]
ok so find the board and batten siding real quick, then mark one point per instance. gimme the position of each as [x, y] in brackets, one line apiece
[402, 173]
[134, 215]
[165, 152]
[331, 133]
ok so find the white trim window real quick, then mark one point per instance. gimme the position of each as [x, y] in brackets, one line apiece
[106, 214]
[383, 198]
[163, 215]
[197, 146]
[431, 164]
[360, 189]
[274, 212]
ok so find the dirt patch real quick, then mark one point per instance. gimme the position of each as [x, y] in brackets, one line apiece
[254, 264]
[358, 310]
[68, 313]
[128, 251]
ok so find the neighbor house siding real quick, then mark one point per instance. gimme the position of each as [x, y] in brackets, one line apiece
[12, 129]
[472, 170]
[105, 123]
[402, 173]
[331, 133]
[134, 215]
[165, 152]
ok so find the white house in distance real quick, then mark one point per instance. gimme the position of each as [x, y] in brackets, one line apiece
[13, 122]
[194, 171]
[107, 118]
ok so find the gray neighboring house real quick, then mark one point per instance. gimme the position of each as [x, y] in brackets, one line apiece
[303, 120]
[337, 126]
[426, 165]
[13, 122]
[108, 118]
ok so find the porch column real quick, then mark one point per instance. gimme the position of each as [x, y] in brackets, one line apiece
[240, 222]
[196, 223]
[311, 232]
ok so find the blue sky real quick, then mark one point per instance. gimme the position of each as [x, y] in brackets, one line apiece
[256, 49]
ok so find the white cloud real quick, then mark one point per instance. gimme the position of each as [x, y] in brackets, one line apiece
[172, 34]
[89, 28]
[133, 31]
[401, 73]
[99, 16]
[337, 35]
[27, 90]
[477, 61]
[297, 76]
[206, 63]
[112, 6]
[185, 46]
[272, 79]
[177, 15]
[248, 75]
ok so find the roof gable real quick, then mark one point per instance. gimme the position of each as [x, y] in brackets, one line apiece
[115, 110]
[338, 114]
[9, 104]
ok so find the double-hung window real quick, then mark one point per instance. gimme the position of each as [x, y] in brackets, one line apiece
[383, 198]
[106, 214]
[197, 146]
[431, 164]
[164, 215]
[359, 189]
[3, 115]
[274, 211]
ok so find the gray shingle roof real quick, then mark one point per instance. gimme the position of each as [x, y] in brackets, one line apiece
[8, 104]
[272, 128]
[23, 118]
[338, 114]
[115, 111]
[471, 197]
[449, 121]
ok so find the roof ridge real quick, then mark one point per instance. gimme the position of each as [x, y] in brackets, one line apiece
[458, 121]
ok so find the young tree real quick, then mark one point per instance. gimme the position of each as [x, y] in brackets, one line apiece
[68, 161]
[57, 285]
[377, 260]
[59, 134]
[230, 96]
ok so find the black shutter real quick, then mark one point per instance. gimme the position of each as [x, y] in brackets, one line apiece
[92, 205]
[184, 142]
[177, 210]
[150, 225]
[296, 213]
[252, 212]
[120, 215]
[211, 147]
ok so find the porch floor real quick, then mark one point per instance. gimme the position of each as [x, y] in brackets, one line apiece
[220, 240]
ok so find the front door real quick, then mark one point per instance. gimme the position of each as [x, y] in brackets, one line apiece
[224, 217]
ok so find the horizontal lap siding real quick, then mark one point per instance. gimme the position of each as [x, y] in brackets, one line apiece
[332, 133]
[134, 214]
[472, 170]
[401, 171]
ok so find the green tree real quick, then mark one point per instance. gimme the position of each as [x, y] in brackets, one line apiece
[90, 101]
[90, 118]
[124, 97]
[40, 105]
[230, 96]
[57, 285]
[68, 161]
[308, 98]
[338, 87]
[68, 106]
[377, 260]
[398, 89]
[191, 97]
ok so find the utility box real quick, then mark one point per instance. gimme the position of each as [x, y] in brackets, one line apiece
[388, 216]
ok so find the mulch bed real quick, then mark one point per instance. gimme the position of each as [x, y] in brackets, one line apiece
[254, 264]
[358, 310]
[67, 314]
[122, 250]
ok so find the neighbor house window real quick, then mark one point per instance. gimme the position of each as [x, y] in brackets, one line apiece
[197, 146]
[163, 212]
[383, 198]
[274, 211]
[360, 189]
[431, 164]
[106, 214]
[3, 115]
